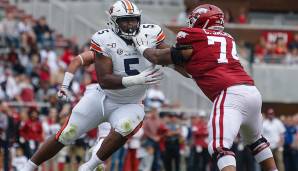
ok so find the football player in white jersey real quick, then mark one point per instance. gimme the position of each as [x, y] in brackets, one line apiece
[124, 76]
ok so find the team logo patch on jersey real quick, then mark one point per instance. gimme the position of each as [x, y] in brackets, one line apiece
[182, 34]
[119, 51]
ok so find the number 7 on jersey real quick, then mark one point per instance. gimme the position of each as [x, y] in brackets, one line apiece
[223, 48]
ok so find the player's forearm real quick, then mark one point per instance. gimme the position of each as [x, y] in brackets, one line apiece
[158, 56]
[74, 65]
[70, 71]
[83, 59]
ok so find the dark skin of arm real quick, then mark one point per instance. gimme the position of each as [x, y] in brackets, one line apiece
[163, 56]
[76, 62]
[177, 68]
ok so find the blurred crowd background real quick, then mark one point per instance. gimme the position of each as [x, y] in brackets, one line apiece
[33, 59]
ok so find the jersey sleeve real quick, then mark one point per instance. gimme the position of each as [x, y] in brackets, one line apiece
[160, 36]
[187, 36]
[155, 32]
[96, 44]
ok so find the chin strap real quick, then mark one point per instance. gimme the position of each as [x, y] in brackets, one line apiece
[220, 28]
[127, 36]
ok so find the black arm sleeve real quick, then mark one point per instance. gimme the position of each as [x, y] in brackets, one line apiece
[176, 54]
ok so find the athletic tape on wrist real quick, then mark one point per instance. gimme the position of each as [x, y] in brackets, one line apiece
[67, 79]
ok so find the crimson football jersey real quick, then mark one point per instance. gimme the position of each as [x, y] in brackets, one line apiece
[214, 64]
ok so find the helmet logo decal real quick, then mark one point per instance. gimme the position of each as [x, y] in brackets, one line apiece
[182, 34]
[195, 15]
[201, 10]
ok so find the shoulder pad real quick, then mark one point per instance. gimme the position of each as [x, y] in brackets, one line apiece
[99, 39]
[155, 31]
[190, 35]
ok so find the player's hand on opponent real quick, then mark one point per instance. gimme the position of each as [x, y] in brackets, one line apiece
[146, 77]
[152, 75]
[63, 93]
[144, 41]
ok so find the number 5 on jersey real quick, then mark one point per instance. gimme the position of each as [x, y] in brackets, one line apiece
[223, 48]
[127, 63]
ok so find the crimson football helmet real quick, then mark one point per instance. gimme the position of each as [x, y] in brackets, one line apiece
[207, 16]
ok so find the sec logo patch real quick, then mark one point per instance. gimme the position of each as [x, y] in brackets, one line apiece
[119, 51]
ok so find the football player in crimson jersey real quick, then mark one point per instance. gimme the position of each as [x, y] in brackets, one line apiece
[209, 55]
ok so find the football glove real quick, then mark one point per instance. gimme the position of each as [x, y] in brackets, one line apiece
[147, 77]
[63, 93]
[143, 41]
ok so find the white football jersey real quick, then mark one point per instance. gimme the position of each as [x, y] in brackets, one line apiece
[127, 60]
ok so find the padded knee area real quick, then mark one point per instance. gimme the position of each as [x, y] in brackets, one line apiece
[260, 149]
[68, 135]
[266, 153]
[125, 126]
[258, 146]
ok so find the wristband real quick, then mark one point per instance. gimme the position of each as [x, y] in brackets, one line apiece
[131, 80]
[67, 79]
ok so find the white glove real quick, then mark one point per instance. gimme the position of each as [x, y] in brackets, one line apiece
[143, 41]
[147, 77]
[63, 93]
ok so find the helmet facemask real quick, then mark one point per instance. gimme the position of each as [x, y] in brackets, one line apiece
[127, 26]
